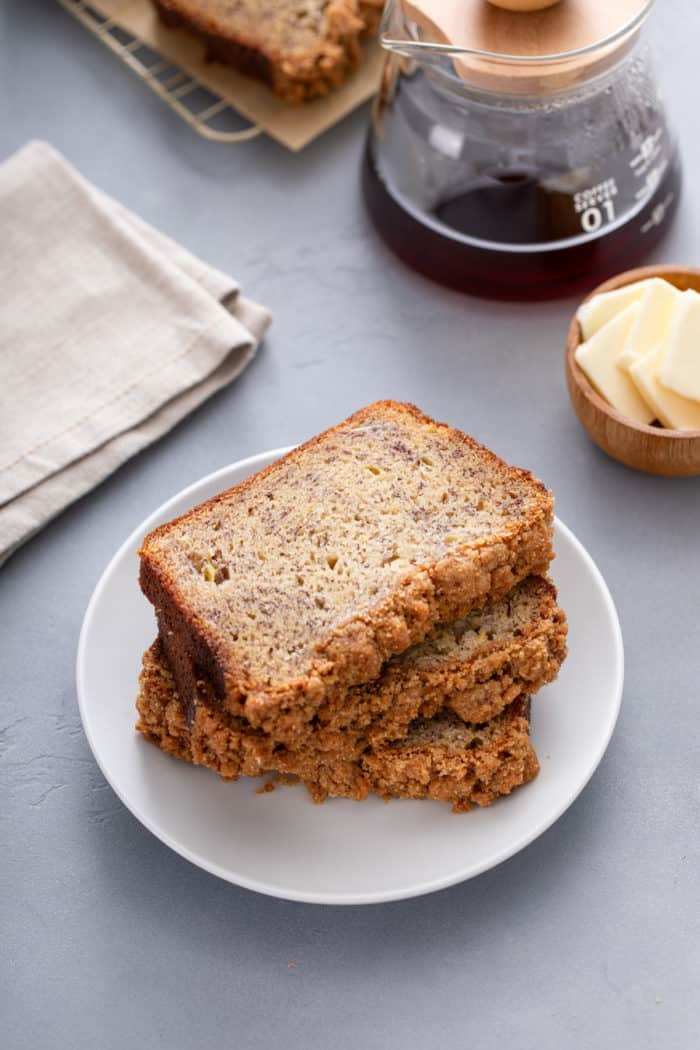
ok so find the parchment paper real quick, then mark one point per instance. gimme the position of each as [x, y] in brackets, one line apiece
[293, 126]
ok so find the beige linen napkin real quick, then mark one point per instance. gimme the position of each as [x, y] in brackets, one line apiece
[110, 333]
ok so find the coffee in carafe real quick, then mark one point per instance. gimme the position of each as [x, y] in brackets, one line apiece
[518, 154]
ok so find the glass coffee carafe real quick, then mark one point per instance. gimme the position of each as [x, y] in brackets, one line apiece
[519, 155]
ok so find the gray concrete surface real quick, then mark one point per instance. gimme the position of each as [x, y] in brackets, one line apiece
[587, 939]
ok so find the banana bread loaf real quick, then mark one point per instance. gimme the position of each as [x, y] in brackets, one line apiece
[301, 48]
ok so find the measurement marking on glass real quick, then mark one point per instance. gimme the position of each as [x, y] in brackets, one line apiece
[651, 181]
[648, 153]
[595, 205]
[659, 214]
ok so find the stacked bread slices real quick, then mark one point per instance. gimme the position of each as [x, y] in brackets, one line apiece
[368, 614]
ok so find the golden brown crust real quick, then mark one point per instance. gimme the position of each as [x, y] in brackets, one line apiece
[476, 677]
[302, 50]
[354, 650]
[476, 770]
[162, 719]
[498, 669]
[208, 738]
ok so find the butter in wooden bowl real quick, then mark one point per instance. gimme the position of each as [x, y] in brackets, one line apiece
[633, 369]
[644, 358]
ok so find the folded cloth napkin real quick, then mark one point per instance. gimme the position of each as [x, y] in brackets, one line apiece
[110, 333]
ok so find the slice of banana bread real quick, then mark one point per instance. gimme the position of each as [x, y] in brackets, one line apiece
[449, 760]
[301, 48]
[478, 665]
[519, 641]
[300, 582]
[441, 758]
[475, 667]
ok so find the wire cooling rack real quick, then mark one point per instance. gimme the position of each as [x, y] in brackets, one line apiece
[210, 115]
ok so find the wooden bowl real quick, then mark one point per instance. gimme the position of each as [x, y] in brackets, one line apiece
[655, 450]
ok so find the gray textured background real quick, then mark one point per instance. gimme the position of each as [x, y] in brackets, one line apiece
[589, 938]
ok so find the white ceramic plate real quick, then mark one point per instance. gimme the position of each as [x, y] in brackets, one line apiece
[343, 852]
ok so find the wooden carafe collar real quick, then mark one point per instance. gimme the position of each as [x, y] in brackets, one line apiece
[556, 36]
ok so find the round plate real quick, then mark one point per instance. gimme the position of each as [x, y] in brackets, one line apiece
[343, 852]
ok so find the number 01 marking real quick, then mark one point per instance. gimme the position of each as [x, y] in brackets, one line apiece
[592, 218]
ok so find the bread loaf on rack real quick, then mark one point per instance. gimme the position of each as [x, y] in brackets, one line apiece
[301, 48]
